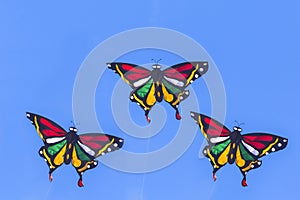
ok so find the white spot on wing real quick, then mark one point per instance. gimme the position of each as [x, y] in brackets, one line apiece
[251, 149]
[259, 163]
[54, 140]
[87, 149]
[28, 115]
[141, 81]
[174, 81]
[218, 139]
[273, 149]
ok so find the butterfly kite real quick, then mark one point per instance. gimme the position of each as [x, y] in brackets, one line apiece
[153, 86]
[62, 147]
[225, 146]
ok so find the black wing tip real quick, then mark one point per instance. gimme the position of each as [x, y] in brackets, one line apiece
[120, 142]
[284, 142]
[194, 115]
[117, 143]
[203, 68]
[29, 115]
[108, 64]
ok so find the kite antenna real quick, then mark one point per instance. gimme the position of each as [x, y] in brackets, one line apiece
[238, 124]
[156, 61]
[72, 122]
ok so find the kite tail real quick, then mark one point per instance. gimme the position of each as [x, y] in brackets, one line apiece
[144, 174]
[48, 191]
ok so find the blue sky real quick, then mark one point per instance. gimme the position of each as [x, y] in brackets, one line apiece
[255, 46]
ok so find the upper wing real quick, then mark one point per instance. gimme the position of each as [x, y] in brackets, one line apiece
[181, 75]
[49, 131]
[254, 146]
[218, 139]
[88, 147]
[212, 130]
[260, 144]
[133, 75]
[95, 144]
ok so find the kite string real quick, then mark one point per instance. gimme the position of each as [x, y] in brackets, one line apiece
[212, 191]
[144, 174]
[48, 191]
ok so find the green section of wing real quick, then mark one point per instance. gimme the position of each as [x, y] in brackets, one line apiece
[143, 91]
[53, 149]
[81, 154]
[245, 154]
[171, 88]
[217, 149]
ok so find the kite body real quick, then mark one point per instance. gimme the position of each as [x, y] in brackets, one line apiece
[154, 86]
[61, 147]
[225, 146]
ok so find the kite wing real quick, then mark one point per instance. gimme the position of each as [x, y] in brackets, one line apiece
[49, 131]
[183, 74]
[176, 78]
[218, 137]
[141, 81]
[254, 146]
[54, 139]
[88, 147]
[133, 75]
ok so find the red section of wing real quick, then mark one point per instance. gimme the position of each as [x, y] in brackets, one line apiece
[45, 127]
[186, 72]
[184, 67]
[101, 143]
[50, 129]
[134, 69]
[172, 73]
[266, 138]
[130, 72]
[215, 128]
[210, 127]
[133, 72]
[258, 141]
[135, 77]
[98, 138]
[94, 141]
